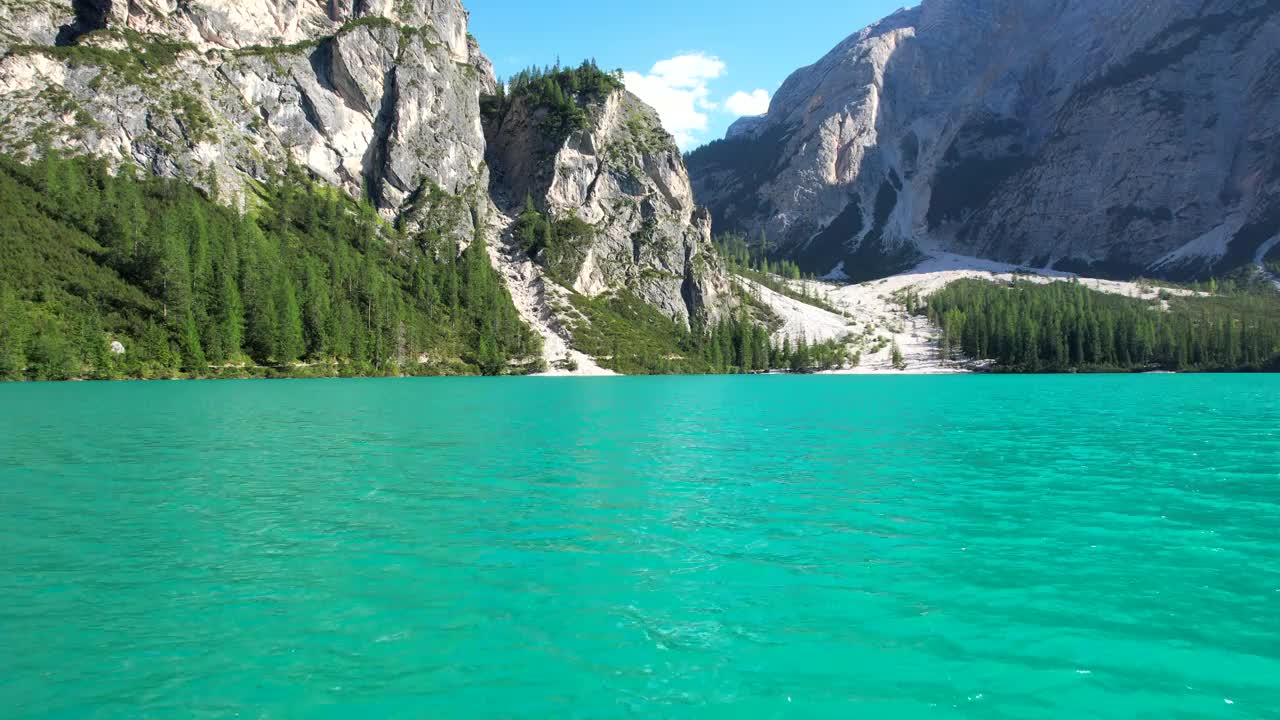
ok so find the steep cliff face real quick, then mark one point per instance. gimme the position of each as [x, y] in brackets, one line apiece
[222, 24]
[379, 99]
[603, 163]
[1107, 136]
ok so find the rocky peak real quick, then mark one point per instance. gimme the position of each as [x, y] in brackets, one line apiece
[577, 145]
[1113, 136]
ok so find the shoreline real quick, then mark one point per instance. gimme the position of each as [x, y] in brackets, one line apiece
[848, 373]
[872, 319]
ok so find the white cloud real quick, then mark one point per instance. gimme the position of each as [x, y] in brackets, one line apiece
[752, 103]
[677, 89]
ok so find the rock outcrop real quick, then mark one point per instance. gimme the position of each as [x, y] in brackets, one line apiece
[1103, 136]
[381, 101]
[622, 175]
[226, 24]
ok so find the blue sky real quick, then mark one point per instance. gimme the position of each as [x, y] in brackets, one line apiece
[701, 63]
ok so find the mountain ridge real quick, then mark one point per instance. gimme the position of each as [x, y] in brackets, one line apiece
[1096, 137]
[346, 188]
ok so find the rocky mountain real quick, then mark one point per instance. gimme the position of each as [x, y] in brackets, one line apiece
[380, 99]
[1101, 136]
[597, 162]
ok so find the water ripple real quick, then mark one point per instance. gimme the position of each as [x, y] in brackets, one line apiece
[1101, 547]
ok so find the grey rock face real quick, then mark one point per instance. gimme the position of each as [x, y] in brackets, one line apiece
[625, 177]
[33, 21]
[384, 107]
[228, 24]
[1101, 135]
[377, 97]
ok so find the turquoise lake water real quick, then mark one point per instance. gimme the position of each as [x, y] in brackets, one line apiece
[764, 547]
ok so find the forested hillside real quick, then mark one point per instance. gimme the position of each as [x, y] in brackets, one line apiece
[1055, 327]
[306, 281]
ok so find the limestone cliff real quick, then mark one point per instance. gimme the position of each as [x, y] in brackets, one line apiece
[380, 100]
[602, 158]
[223, 24]
[1103, 135]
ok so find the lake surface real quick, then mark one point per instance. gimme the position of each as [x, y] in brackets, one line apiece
[765, 547]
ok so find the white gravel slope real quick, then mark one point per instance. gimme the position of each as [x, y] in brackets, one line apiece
[878, 320]
[529, 291]
[799, 320]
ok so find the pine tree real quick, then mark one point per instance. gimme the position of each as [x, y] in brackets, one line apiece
[49, 350]
[800, 360]
[124, 222]
[895, 354]
[226, 334]
[316, 310]
[290, 343]
[716, 356]
[193, 359]
[13, 335]
[262, 318]
[156, 352]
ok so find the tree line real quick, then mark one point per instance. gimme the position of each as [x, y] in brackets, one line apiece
[564, 93]
[307, 277]
[743, 254]
[626, 334]
[752, 261]
[1064, 326]
[742, 346]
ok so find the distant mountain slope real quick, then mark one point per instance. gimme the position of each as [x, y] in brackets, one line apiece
[1106, 136]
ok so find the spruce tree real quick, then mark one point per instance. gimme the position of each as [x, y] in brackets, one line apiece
[289, 340]
[226, 315]
[13, 335]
